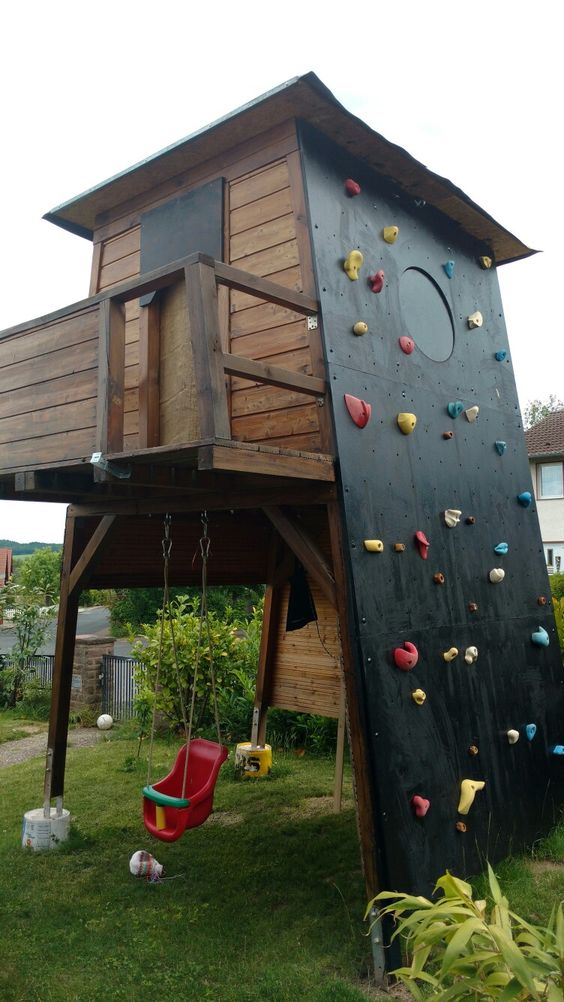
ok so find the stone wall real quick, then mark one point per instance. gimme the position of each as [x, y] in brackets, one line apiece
[86, 689]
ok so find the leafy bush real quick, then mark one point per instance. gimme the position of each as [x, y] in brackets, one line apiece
[557, 585]
[131, 607]
[558, 606]
[456, 950]
[36, 700]
[288, 729]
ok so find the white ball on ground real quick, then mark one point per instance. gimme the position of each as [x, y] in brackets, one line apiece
[104, 722]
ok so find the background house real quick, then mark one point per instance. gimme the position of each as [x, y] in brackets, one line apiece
[5, 565]
[545, 445]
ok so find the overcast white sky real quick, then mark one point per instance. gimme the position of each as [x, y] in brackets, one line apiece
[473, 90]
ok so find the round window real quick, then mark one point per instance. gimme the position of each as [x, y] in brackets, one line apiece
[426, 314]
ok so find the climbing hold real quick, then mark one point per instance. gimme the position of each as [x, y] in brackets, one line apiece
[471, 655]
[530, 731]
[406, 423]
[352, 264]
[452, 517]
[418, 696]
[502, 548]
[439, 578]
[472, 413]
[376, 282]
[390, 234]
[374, 545]
[448, 434]
[513, 737]
[359, 410]
[460, 826]
[541, 600]
[360, 328]
[540, 637]
[468, 790]
[496, 575]
[485, 262]
[500, 447]
[399, 547]
[406, 657]
[470, 520]
[448, 268]
[557, 750]
[472, 607]
[475, 320]
[473, 750]
[420, 806]
[451, 654]
[455, 408]
[422, 544]
[500, 356]
[525, 499]
[407, 344]
[352, 188]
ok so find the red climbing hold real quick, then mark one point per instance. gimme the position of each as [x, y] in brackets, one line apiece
[352, 188]
[422, 544]
[407, 344]
[420, 806]
[359, 410]
[376, 281]
[406, 657]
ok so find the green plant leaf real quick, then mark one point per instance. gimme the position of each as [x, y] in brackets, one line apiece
[514, 959]
[453, 887]
[459, 942]
[494, 886]
[511, 990]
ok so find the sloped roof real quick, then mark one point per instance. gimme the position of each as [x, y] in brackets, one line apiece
[547, 437]
[308, 99]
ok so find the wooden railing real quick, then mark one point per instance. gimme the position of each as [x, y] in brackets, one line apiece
[212, 364]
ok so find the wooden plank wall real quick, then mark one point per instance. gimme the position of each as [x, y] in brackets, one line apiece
[265, 235]
[48, 393]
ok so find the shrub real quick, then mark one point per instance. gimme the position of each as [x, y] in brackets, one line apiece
[456, 950]
[558, 606]
[36, 700]
[557, 585]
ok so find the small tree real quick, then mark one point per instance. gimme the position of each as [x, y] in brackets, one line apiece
[31, 620]
[537, 410]
[40, 574]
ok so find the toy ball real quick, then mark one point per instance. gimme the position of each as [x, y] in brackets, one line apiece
[104, 722]
[142, 864]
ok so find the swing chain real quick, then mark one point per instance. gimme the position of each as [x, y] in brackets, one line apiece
[167, 541]
[205, 539]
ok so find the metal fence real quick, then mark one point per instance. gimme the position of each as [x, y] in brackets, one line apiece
[118, 686]
[40, 667]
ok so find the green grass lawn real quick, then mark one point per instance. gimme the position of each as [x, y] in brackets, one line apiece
[267, 902]
[13, 725]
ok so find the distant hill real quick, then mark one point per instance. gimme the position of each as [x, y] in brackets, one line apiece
[24, 549]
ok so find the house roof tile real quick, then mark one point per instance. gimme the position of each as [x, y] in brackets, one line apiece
[547, 437]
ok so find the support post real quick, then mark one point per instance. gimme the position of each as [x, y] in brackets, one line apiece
[340, 756]
[204, 330]
[149, 375]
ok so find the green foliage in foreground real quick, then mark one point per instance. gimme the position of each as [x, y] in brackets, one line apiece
[459, 950]
[266, 905]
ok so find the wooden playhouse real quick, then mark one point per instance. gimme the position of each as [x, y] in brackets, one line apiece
[214, 367]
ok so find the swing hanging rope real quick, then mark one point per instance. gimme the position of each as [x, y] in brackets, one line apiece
[203, 620]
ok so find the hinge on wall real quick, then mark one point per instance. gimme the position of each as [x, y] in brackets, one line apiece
[121, 472]
[312, 323]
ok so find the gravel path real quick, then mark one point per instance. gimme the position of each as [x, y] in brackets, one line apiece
[13, 752]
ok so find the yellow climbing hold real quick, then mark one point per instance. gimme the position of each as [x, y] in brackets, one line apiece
[390, 234]
[468, 790]
[418, 696]
[451, 654]
[475, 320]
[360, 328]
[406, 423]
[352, 264]
[485, 262]
[373, 545]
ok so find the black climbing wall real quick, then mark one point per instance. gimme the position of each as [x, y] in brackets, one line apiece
[393, 485]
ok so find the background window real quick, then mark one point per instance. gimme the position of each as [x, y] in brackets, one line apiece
[550, 480]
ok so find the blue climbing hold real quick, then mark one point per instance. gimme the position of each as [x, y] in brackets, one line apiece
[557, 750]
[501, 548]
[500, 447]
[530, 731]
[455, 408]
[500, 356]
[448, 267]
[540, 637]
[525, 499]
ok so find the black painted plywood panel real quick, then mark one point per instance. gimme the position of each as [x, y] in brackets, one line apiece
[393, 485]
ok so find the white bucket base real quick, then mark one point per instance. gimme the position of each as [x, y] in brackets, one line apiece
[40, 833]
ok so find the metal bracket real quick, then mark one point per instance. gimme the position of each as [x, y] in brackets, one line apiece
[377, 943]
[121, 472]
[312, 323]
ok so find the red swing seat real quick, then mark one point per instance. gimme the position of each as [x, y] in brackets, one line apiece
[204, 763]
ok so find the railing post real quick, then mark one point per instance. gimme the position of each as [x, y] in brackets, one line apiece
[111, 366]
[204, 331]
[149, 375]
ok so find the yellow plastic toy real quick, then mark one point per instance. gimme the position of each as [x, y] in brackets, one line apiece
[468, 790]
[390, 234]
[373, 545]
[352, 264]
[360, 328]
[451, 654]
[253, 760]
[406, 423]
